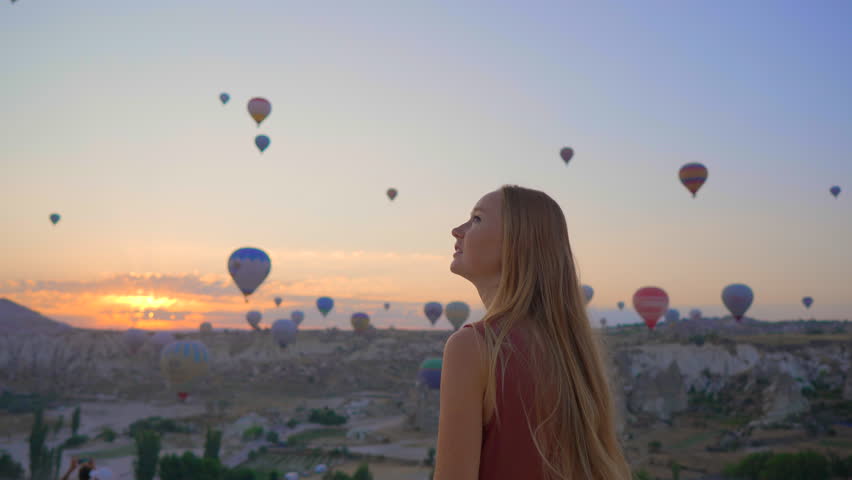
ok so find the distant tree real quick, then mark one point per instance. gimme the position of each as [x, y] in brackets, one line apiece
[641, 475]
[75, 422]
[212, 444]
[147, 455]
[796, 466]
[190, 467]
[272, 436]
[655, 446]
[273, 475]
[253, 433]
[292, 423]
[363, 473]
[107, 434]
[430, 457]
[10, 469]
[840, 466]
[44, 462]
[675, 470]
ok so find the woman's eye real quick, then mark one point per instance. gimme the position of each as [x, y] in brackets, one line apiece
[476, 218]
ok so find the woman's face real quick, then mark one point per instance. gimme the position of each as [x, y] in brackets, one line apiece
[479, 241]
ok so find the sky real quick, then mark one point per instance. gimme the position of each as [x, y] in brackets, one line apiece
[110, 116]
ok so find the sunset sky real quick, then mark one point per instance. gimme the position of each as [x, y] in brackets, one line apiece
[110, 116]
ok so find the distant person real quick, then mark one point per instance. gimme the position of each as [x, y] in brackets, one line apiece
[524, 391]
[86, 467]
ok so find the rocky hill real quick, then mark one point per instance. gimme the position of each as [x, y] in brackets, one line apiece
[657, 376]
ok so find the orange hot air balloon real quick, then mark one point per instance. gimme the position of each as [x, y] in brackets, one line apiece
[259, 109]
[651, 303]
[693, 176]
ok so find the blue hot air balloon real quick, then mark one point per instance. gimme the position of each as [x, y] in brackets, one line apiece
[430, 373]
[737, 298]
[253, 318]
[835, 191]
[672, 315]
[324, 305]
[621, 305]
[54, 218]
[588, 293]
[808, 301]
[249, 268]
[298, 317]
[262, 141]
[224, 97]
[433, 311]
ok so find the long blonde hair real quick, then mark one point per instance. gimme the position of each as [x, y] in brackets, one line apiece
[574, 417]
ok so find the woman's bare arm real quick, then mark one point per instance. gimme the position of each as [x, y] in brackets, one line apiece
[460, 422]
[71, 468]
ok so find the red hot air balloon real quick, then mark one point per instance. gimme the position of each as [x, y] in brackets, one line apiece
[392, 193]
[651, 303]
[259, 109]
[693, 176]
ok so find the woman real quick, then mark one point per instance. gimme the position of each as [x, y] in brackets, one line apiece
[524, 393]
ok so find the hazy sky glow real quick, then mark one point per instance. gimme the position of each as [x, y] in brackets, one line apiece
[110, 116]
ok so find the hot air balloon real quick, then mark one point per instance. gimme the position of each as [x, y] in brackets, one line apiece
[224, 97]
[297, 316]
[737, 297]
[387, 306]
[324, 305]
[429, 373]
[278, 301]
[621, 305]
[457, 313]
[693, 176]
[284, 332]
[161, 339]
[291, 476]
[672, 315]
[588, 293]
[808, 301]
[253, 318]
[321, 468]
[835, 191]
[433, 311]
[651, 303]
[259, 109]
[261, 141]
[134, 339]
[249, 268]
[54, 218]
[566, 153]
[603, 322]
[392, 193]
[206, 327]
[183, 363]
[360, 322]
[695, 314]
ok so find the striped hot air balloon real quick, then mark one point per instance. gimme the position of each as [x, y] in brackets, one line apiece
[360, 322]
[693, 176]
[651, 303]
[183, 363]
[430, 373]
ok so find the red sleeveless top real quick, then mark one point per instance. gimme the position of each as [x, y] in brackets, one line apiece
[508, 451]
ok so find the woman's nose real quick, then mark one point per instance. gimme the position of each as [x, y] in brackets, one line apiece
[457, 232]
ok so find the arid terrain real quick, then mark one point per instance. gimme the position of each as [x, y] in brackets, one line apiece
[702, 394]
